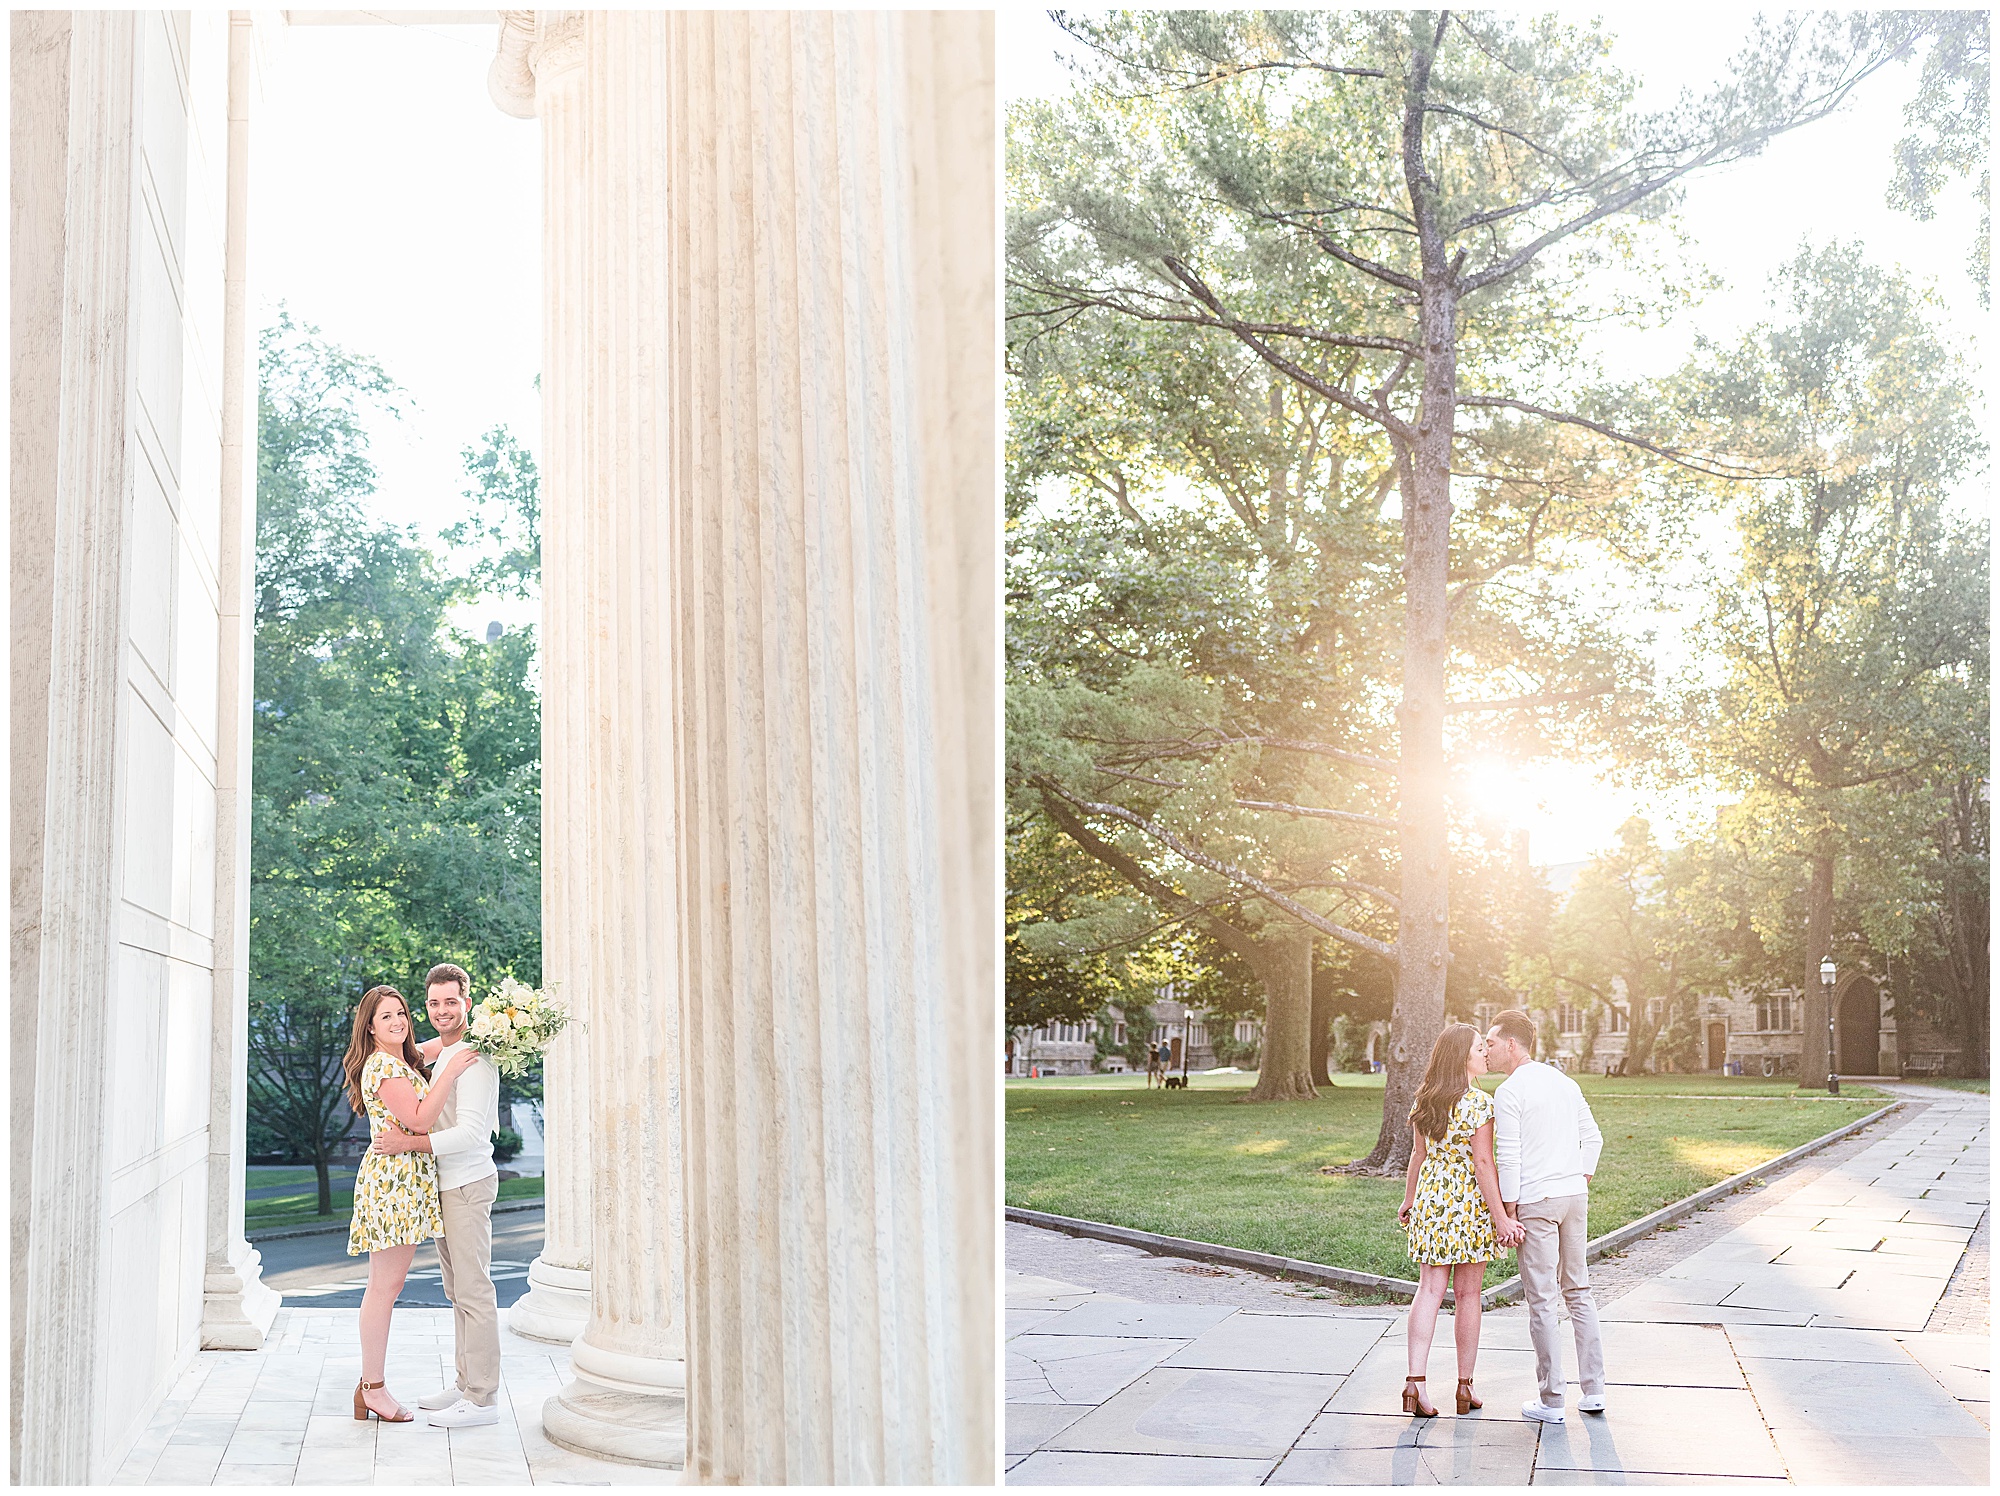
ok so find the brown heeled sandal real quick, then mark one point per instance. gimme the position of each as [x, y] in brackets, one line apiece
[1466, 1401]
[362, 1410]
[1413, 1399]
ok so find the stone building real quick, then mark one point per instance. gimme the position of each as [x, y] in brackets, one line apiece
[1073, 1048]
[1763, 1033]
[769, 602]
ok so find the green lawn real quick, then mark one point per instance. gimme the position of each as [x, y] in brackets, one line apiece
[302, 1209]
[1981, 1086]
[1593, 1085]
[1198, 1164]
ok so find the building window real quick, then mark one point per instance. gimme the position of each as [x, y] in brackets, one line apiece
[1774, 1014]
[1569, 1018]
[1616, 1022]
[1120, 1032]
[1655, 1006]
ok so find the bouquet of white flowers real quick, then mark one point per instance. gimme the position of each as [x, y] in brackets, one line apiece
[513, 1024]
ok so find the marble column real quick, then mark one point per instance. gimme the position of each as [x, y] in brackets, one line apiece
[780, 564]
[831, 337]
[596, 85]
[73, 101]
[237, 1306]
[537, 74]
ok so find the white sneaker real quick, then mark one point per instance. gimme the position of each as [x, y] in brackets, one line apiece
[444, 1397]
[1591, 1404]
[465, 1414]
[1531, 1409]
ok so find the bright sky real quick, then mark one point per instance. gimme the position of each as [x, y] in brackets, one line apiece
[1821, 183]
[400, 211]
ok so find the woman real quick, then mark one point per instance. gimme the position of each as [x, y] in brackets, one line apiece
[395, 1196]
[1451, 1205]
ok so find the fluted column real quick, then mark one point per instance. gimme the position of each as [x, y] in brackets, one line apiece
[75, 157]
[538, 74]
[831, 330]
[237, 1307]
[627, 1399]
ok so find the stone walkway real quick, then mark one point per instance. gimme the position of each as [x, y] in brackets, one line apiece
[284, 1415]
[1790, 1344]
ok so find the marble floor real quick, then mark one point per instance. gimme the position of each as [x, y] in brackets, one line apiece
[1792, 1348]
[284, 1415]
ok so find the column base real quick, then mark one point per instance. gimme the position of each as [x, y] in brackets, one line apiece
[237, 1306]
[632, 1428]
[556, 1306]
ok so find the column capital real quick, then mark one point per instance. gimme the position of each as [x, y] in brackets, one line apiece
[535, 47]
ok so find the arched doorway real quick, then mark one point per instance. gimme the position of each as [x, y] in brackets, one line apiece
[1857, 1029]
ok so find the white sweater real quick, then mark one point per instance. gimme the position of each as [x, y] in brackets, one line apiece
[463, 1137]
[1544, 1139]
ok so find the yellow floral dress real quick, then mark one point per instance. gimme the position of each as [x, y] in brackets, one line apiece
[395, 1195]
[1448, 1218]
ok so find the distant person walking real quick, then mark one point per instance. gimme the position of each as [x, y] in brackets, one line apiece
[1547, 1145]
[1452, 1209]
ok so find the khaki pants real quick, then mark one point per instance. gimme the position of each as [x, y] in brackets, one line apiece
[1551, 1258]
[465, 1253]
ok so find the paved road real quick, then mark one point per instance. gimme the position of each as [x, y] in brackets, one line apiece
[315, 1272]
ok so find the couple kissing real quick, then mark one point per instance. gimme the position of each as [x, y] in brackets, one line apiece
[428, 1173]
[1510, 1170]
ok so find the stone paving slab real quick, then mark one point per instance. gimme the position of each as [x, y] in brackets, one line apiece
[1143, 1321]
[1835, 1398]
[284, 1415]
[1665, 1431]
[1503, 1379]
[1798, 1343]
[1879, 1458]
[1190, 1411]
[1079, 1368]
[1031, 1425]
[1644, 1478]
[1281, 1342]
[1445, 1451]
[1077, 1468]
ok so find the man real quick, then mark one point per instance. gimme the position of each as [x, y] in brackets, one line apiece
[1546, 1145]
[467, 1185]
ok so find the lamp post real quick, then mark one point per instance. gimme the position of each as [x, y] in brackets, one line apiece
[1826, 973]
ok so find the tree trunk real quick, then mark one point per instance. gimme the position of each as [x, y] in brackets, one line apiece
[1422, 935]
[325, 1181]
[1813, 1056]
[1284, 965]
[1320, 1056]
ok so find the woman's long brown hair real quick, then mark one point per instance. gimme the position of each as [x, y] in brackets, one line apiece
[362, 1044]
[1444, 1080]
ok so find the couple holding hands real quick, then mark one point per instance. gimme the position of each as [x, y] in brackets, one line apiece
[1510, 1170]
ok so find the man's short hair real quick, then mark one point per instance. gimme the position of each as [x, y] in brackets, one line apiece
[1518, 1026]
[444, 971]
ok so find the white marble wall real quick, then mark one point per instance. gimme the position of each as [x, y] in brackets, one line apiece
[127, 624]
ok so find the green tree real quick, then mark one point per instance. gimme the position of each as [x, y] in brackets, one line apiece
[1949, 119]
[1396, 214]
[1850, 637]
[396, 811]
[1622, 941]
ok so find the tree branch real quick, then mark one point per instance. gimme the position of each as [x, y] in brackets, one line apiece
[1222, 869]
[1711, 467]
[1320, 813]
